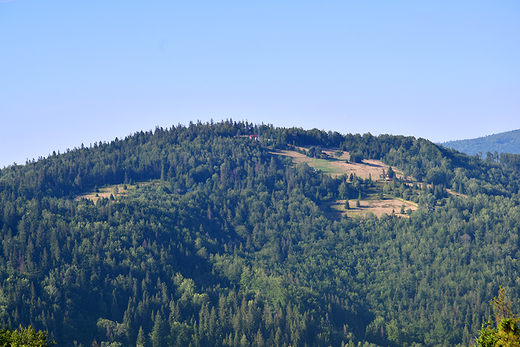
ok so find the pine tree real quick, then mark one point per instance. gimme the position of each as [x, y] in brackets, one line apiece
[27, 337]
[141, 338]
[158, 331]
[506, 332]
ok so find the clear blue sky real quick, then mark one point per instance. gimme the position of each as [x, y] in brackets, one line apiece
[75, 72]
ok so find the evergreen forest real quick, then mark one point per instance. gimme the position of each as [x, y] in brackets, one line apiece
[208, 237]
[488, 146]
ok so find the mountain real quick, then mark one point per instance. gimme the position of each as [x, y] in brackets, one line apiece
[506, 142]
[210, 235]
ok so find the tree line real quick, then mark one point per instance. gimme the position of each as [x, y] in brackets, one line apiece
[216, 241]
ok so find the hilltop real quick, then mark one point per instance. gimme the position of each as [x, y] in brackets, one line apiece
[206, 235]
[506, 142]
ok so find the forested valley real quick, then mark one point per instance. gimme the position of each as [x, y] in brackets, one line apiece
[211, 239]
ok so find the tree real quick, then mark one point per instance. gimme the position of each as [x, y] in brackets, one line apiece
[343, 191]
[141, 338]
[356, 157]
[158, 331]
[501, 306]
[507, 331]
[25, 337]
[314, 152]
[390, 173]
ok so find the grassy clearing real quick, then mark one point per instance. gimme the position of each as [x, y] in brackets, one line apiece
[339, 166]
[297, 157]
[114, 190]
[335, 209]
[328, 166]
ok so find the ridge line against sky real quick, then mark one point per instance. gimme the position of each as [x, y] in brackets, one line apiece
[79, 72]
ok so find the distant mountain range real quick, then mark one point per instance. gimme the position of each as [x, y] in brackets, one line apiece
[506, 142]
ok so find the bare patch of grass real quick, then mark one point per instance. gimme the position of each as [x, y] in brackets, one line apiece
[377, 207]
[337, 167]
[328, 166]
[114, 190]
[296, 156]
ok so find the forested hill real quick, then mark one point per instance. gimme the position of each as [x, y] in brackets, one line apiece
[209, 238]
[506, 142]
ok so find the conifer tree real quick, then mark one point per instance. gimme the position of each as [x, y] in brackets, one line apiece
[507, 332]
[141, 338]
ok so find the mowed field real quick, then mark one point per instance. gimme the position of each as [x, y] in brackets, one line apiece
[114, 190]
[105, 192]
[335, 209]
[338, 166]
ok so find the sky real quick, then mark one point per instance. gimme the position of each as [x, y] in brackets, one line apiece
[74, 72]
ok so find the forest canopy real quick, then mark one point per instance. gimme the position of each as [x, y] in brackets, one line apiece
[207, 237]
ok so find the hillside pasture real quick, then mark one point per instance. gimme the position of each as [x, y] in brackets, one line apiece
[105, 192]
[339, 166]
[115, 190]
[368, 168]
[336, 209]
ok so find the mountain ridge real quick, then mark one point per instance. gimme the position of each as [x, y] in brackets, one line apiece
[505, 142]
[212, 240]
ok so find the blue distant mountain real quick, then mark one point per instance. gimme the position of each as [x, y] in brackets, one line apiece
[506, 142]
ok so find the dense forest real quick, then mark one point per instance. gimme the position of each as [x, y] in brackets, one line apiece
[506, 142]
[210, 239]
